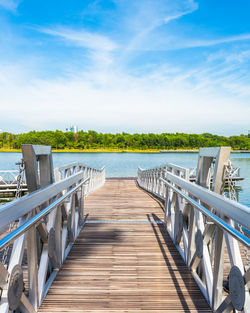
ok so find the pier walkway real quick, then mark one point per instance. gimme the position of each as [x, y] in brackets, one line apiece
[81, 242]
[124, 260]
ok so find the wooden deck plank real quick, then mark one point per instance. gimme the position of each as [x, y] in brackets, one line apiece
[124, 267]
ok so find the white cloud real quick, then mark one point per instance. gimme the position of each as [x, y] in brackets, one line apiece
[210, 96]
[81, 38]
[100, 47]
[239, 56]
[10, 5]
[150, 16]
[169, 42]
[110, 101]
[214, 42]
[178, 15]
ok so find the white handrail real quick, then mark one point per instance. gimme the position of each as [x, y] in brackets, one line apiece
[222, 205]
[35, 219]
[97, 176]
[200, 222]
[49, 221]
[19, 207]
[214, 218]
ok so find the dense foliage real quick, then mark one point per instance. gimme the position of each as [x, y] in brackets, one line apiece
[93, 140]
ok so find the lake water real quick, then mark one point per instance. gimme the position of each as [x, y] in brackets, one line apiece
[126, 164]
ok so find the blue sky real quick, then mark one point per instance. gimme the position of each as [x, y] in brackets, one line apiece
[120, 65]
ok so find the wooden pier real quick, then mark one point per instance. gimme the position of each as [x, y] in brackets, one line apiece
[79, 242]
[124, 260]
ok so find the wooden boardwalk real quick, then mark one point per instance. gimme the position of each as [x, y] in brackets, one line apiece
[126, 264]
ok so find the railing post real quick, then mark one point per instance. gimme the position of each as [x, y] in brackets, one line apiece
[218, 267]
[189, 212]
[32, 267]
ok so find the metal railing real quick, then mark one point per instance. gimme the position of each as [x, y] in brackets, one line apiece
[97, 176]
[235, 174]
[46, 224]
[9, 177]
[151, 179]
[202, 224]
[9, 183]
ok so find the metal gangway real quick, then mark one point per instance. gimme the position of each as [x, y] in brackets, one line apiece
[11, 181]
[208, 230]
[206, 227]
[41, 227]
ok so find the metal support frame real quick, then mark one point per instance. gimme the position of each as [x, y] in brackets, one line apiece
[38, 166]
[209, 221]
[43, 223]
[219, 156]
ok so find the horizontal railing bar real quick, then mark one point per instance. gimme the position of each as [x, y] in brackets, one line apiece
[238, 212]
[11, 185]
[161, 167]
[40, 149]
[12, 190]
[35, 219]
[17, 208]
[232, 231]
[212, 151]
[177, 167]
[68, 166]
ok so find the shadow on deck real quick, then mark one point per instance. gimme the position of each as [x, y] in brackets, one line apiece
[124, 266]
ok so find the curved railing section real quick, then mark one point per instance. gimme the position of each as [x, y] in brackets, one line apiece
[96, 176]
[38, 231]
[151, 179]
[205, 227]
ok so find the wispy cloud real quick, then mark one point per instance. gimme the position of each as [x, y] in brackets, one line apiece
[238, 56]
[213, 42]
[10, 5]
[125, 102]
[124, 76]
[172, 42]
[150, 20]
[153, 15]
[176, 16]
[81, 38]
[99, 49]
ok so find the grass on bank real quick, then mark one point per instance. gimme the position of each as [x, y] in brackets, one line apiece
[102, 150]
[90, 150]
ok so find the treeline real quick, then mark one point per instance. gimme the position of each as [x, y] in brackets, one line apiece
[94, 140]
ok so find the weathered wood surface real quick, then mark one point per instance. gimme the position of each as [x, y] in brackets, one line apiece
[124, 267]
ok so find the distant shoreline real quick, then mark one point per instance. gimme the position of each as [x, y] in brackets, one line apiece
[196, 151]
[122, 151]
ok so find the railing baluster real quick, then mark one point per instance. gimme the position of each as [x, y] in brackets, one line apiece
[218, 267]
[197, 216]
[32, 267]
[61, 208]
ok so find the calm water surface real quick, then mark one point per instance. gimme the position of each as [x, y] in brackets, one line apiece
[126, 164]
